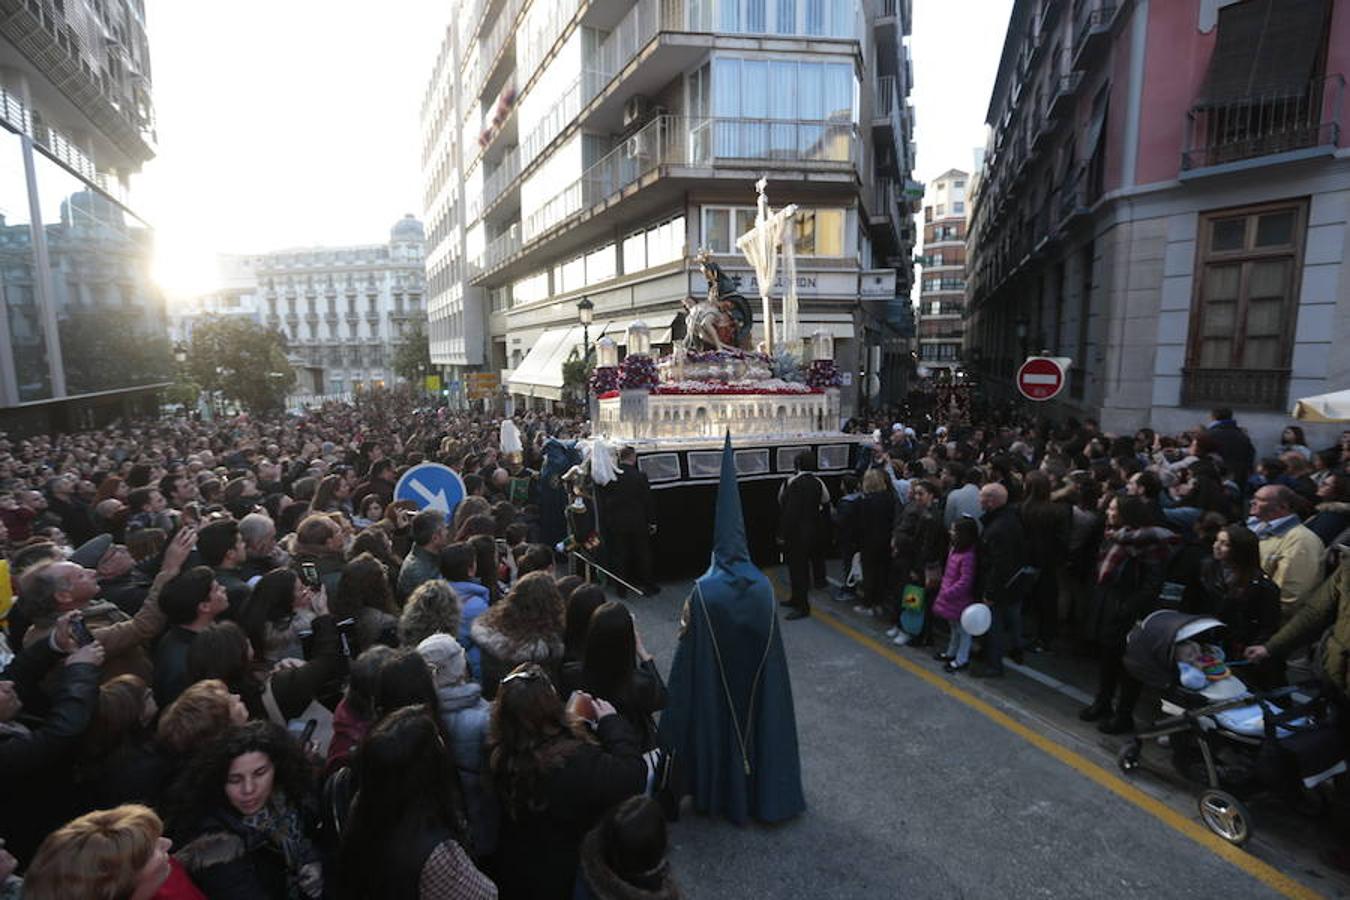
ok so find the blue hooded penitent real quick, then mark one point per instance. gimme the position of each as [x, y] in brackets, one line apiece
[729, 718]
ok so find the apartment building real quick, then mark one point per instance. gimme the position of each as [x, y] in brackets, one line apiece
[345, 310]
[1164, 200]
[581, 149]
[82, 334]
[942, 285]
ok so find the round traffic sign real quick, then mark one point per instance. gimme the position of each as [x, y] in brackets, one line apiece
[1040, 378]
[431, 485]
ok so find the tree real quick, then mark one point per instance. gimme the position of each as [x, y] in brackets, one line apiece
[576, 373]
[412, 359]
[105, 348]
[242, 361]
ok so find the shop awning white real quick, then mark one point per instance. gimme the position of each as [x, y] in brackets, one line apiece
[1334, 407]
[540, 372]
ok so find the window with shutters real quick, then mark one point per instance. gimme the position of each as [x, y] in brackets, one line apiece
[1246, 303]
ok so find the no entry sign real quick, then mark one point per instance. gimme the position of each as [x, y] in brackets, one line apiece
[1041, 377]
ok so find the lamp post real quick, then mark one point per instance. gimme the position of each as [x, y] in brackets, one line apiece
[1021, 330]
[586, 313]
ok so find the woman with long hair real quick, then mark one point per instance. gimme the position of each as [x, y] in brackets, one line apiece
[275, 615]
[223, 651]
[363, 594]
[459, 567]
[119, 763]
[1332, 514]
[487, 566]
[877, 513]
[526, 626]
[617, 667]
[377, 543]
[244, 815]
[1238, 592]
[404, 837]
[581, 603]
[332, 495]
[1131, 568]
[554, 778]
[355, 712]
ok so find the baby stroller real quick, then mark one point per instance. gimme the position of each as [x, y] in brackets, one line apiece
[1234, 741]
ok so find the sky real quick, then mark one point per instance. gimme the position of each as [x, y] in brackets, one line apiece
[287, 123]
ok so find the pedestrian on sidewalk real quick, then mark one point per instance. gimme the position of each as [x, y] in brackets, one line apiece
[878, 520]
[958, 592]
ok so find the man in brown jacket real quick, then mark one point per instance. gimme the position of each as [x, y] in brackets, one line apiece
[57, 588]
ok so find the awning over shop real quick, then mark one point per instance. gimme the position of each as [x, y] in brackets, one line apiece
[660, 324]
[540, 372]
[1333, 407]
[1265, 50]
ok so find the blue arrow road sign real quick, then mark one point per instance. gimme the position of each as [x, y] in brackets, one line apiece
[431, 486]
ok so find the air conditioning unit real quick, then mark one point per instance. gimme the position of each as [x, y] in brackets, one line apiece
[636, 109]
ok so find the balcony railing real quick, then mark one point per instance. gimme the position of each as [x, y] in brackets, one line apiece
[698, 142]
[1259, 389]
[1094, 18]
[1265, 124]
[496, 183]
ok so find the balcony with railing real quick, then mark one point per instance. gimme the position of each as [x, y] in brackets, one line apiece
[1265, 124]
[502, 177]
[678, 147]
[886, 112]
[1093, 20]
[1243, 388]
[1066, 92]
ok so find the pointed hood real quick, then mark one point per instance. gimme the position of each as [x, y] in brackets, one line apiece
[729, 545]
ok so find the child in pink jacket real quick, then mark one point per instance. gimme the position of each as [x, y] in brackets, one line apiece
[958, 592]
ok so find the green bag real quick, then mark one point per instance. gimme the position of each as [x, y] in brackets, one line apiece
[912, 606]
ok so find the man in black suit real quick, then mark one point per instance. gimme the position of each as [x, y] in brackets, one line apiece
[628, 520]
[1234, 446]
[800, 501]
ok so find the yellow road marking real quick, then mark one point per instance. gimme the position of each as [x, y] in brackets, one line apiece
[1261, 871]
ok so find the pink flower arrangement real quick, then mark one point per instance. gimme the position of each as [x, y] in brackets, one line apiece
[823, 374]
[604, 379]
[637, 372]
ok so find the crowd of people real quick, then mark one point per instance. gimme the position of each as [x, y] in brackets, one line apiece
[236, 666]
[1071, 536]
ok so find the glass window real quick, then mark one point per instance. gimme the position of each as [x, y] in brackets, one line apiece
[1245, 308]
[17, 271]
[574, 274]
[787, 17]
[600, 265]
[959, 207]
[754, 16]
[717, 229]
[112, 327]
[635, 252]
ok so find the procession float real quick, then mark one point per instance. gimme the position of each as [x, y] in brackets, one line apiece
[675, 409]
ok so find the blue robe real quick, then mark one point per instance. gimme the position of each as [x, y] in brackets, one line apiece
[729, 719]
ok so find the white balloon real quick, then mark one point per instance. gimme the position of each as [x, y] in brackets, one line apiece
[976, 619]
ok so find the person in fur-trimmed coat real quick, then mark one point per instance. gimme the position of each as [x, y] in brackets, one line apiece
[526, 626]
[624, 857]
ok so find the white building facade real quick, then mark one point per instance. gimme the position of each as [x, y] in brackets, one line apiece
[345, 310]
[576, 150]
[942, 286]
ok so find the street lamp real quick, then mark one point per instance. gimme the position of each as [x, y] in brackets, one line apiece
[1021, 330]
[586, 313]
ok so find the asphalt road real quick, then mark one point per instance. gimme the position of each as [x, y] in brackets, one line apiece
[915, 792]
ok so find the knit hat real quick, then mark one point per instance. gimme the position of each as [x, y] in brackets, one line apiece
[445, 657]
[91, 551]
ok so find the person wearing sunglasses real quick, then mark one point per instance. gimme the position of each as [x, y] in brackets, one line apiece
[556, 769]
